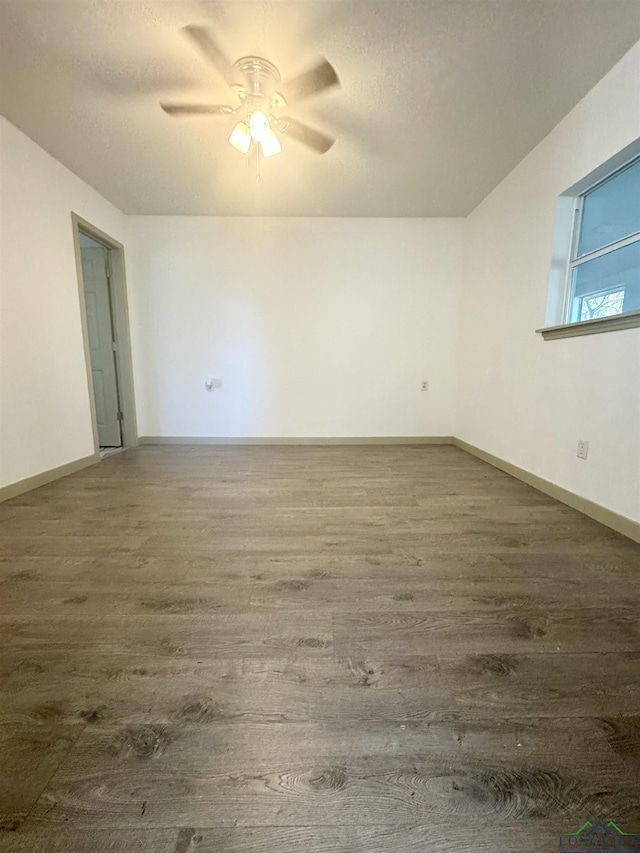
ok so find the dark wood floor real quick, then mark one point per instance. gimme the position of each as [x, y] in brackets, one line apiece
[312, 650]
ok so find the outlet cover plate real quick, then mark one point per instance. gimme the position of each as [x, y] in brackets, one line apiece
[583, 449]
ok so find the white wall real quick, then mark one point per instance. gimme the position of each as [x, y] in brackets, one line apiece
[524, 399]
[45, 418]
[316, 327]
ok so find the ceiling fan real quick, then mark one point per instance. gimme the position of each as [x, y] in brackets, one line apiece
[253, 82]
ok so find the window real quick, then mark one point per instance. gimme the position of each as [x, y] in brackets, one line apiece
[604, 266]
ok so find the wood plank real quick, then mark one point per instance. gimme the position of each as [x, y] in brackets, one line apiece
[106, 687]
[126, 570]
[90, 599]
[30, 756]
[345, 595]
[25, 544]
[222, 633]
[161, 691]
[581, 742]
[195, 770]
[544, 685]
[485, 632]
[70, 841]
[207, 591]
[402, 567]
[478, 686]
[449, 837]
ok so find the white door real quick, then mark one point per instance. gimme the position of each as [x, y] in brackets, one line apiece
[101, 344]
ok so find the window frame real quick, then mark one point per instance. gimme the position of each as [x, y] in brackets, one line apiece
[576, 260]
[565, 258]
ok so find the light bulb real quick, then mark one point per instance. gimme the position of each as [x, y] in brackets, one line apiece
[240, 138]
[259, 126]
[271, 145]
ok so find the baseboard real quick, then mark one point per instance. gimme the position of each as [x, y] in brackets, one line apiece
[605, 516]
[26, 485]
[297, 440]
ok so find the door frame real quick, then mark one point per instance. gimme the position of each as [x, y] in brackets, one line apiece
[122, 336]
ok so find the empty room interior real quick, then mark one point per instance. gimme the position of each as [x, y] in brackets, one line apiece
[319, 426]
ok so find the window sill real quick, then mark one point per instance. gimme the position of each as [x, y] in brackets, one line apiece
[630, 320]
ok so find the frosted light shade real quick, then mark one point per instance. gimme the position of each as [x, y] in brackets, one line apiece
[240, 137]
[259, 126]
[271, 145]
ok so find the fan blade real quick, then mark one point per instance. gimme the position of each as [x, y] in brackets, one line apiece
[197, 109]
[210, 49]
[322, 76]
[315, 139]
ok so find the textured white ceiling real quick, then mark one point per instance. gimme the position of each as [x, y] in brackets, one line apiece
[439, 98]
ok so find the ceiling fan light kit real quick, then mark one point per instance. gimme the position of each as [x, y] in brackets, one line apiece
[258, 100]
[253, 80]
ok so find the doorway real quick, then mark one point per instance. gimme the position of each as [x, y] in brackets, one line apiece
[102, 290]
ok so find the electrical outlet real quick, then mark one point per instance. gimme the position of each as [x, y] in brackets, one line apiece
[583, 449]
[424, 385]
